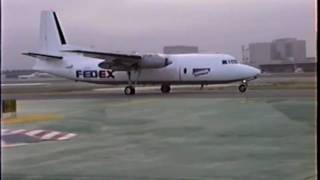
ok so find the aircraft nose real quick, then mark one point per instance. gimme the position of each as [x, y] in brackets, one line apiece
[252, 71]
[256, 71]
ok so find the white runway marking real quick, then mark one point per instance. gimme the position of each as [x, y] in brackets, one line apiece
[37, 136]
[17, 131]
[67, 136]
[3, 131]
[34, 132]
[50, 135]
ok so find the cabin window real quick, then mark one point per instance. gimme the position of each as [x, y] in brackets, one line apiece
[185, 70]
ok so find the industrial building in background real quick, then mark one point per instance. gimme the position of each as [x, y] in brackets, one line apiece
[280, 55]
[180, 49]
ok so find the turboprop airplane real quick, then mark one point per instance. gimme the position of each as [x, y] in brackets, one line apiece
[57, 57]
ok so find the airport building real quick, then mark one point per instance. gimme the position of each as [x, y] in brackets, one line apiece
[259, 53]
[308, 65]
[180, 49]
[280, 55]
[288, 49]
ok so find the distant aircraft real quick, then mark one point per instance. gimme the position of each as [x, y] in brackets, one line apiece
[35, 75]
[55, 56]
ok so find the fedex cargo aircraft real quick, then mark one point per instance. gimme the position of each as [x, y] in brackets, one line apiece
[57, 57]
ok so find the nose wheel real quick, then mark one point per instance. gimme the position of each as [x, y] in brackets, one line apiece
[243, 86]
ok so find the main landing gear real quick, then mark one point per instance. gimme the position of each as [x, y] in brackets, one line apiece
[243, 86]
[165, 88]
[130, 89]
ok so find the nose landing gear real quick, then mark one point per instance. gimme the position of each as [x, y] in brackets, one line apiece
[243, 86]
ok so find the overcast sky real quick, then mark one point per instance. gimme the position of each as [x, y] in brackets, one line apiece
[148, 25]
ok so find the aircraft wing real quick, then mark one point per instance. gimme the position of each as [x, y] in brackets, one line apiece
[115, 61]
[43, 56]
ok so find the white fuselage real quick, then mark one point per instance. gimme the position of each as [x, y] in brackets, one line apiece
[185, 69]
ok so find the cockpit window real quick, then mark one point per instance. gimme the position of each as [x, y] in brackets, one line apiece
[229, 61]
[234, 61]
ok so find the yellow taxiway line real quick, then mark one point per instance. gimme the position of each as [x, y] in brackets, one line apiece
[29, 118]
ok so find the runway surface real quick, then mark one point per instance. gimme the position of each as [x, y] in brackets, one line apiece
[157, 94]
[168, 138]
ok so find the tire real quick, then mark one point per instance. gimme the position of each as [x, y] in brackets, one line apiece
[242, 88]
[165, 88]
[129, 90]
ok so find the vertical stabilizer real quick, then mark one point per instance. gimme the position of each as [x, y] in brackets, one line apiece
[51, 35]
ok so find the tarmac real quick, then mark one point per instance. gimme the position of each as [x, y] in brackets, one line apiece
[214, 133]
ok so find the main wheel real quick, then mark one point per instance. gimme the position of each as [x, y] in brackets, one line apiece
[129, 90]
[165, 88]
[242, 88]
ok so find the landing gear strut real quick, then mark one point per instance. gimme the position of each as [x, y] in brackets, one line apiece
[165, 88]
[130, 89]
[243, 86]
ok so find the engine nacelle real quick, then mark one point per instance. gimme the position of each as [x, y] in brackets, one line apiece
[154, 61]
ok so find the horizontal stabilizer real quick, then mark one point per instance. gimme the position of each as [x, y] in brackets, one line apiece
[43, 56]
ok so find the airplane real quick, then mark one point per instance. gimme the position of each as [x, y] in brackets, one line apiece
[57, 57]
[35, 75]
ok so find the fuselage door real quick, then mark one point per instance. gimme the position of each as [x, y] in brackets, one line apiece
[184, 73]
